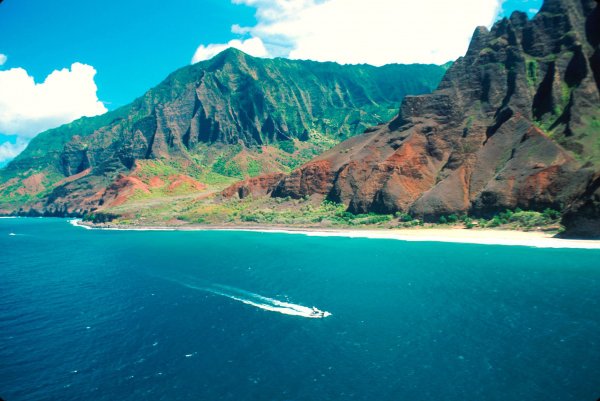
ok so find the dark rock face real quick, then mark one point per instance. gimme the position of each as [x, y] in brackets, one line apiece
[514, 123]
[233, 99]
[582, 219]
[74, 159]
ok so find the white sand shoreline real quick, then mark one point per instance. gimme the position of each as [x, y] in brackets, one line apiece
[534, 239]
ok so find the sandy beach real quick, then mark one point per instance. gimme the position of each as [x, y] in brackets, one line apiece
[537, 239]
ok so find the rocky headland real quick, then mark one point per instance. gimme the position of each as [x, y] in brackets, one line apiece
[515, 123]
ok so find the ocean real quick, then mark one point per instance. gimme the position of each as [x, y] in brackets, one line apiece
[223, 315]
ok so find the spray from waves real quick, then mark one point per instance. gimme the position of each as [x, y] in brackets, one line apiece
[77, 223]
[262, 302]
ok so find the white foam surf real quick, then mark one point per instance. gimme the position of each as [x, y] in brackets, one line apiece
[262, 302]
[78, 223]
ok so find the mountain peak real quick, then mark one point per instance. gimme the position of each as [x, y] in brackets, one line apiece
[478, 40]
[231, 54]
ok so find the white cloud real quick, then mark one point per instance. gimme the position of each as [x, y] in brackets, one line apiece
[27, 108]
[253, 46]
[375, 32]
[10, 150]
[3, 59]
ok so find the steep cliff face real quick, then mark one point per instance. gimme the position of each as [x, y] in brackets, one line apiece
[219, 115]
[514, 123]
[582, 218]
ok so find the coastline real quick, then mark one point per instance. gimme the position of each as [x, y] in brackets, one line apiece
[535, 239]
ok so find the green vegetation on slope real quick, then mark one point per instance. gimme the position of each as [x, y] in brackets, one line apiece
[233, 116]
[311, 211]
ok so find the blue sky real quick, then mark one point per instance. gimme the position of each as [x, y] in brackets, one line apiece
[133, 44]
[529, 6]
[101, 55]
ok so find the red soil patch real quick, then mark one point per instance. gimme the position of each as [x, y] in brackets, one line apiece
[122, 189]
[32, 184]
[179, 180]
[538, 183]
[73, 177]
[256, 186]
[156, 182]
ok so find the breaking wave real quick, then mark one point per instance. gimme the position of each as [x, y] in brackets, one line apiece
[77, 223]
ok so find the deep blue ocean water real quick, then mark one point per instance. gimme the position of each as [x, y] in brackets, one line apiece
[116, 315]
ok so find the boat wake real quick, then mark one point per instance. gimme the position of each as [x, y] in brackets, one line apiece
[262, 302]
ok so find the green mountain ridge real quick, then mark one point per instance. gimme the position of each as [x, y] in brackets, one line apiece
[215, 121]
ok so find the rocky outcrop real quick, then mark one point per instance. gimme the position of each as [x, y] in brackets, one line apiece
[87, 193]
[582, 218]
[232, 100]
[255, 187]
[314, 178]
[513, 123]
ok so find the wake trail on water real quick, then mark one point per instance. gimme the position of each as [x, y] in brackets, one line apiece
[260, 301]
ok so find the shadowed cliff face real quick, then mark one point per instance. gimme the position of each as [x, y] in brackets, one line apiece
[582, 219]
[514, 123]
[232, 100]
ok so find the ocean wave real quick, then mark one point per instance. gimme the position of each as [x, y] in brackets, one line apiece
[77, 223]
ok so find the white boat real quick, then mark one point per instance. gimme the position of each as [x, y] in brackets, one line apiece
[319, 314]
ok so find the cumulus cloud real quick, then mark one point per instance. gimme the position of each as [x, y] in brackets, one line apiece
[375, 32]
[252, 46]
[3, 59]
[10, 150]
[357, 31]
[27, 108]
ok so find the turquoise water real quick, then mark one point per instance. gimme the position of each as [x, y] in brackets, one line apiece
[114, 315]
